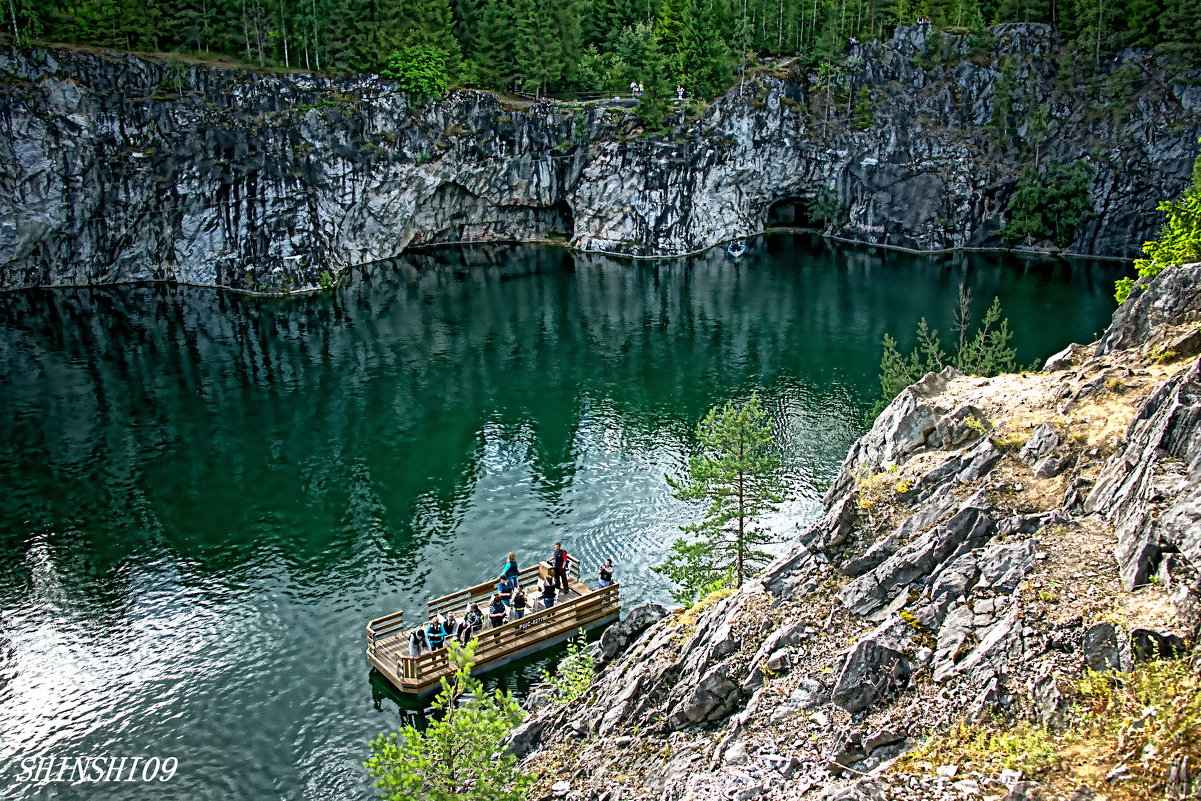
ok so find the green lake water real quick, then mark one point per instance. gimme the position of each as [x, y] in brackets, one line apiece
[207, 495]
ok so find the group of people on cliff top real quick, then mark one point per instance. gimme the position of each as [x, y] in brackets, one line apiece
[509, 602]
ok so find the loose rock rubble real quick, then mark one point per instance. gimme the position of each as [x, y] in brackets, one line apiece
[1026, 516]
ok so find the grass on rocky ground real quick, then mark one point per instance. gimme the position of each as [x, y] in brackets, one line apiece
[1133, 726]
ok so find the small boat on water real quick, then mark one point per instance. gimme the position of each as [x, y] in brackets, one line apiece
[578, 607]
[735, 250]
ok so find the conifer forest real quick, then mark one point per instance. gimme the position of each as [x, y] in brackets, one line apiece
[576, 46]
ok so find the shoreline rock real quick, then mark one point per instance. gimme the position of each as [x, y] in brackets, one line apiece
[988, 592]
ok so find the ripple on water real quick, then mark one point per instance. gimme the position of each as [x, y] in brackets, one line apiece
[206, 495]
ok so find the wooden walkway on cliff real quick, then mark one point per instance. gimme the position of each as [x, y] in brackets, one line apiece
[580, 607]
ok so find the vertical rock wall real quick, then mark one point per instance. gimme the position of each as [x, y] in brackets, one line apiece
[118, 168]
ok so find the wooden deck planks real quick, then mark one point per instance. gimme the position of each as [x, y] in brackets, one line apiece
[584, 608]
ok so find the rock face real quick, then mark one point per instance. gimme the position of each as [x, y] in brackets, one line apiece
[117, 168]
[974, 582]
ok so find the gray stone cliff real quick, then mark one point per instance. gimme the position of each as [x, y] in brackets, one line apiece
[985, 542]
[117, 168]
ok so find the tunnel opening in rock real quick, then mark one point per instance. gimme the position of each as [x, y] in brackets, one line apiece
[562, 224]
[793, 212]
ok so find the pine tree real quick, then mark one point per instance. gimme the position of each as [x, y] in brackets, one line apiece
[654, 79]
[1095, 20]
[24, 20]
[432, 25]
[1181, 22]
[738, 474]
[704, 54]
[669, 28]
[467, 14]
[565, 29]
[1023, 11]
[986, 353]
[460, 756]
[536, 56]
[495, 54]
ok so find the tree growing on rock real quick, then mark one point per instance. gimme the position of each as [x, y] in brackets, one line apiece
[737, 472]
[461, 754]
[420, 70]
[987, 352]
[1179, 240]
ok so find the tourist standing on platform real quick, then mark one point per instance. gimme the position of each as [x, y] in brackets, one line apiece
[606, 574]
[418, 642]
[496, 612]
[435, 633]
[512, 572]
[474, 617]
[548, 594]
[518, 603]
[559, 562]
[502, 590]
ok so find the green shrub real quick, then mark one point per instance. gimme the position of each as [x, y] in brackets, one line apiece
[1179, 239]
[421, 70]
[1050, 204]
[1022, 746]
[863, 117]
[460, 756]
[574, 673]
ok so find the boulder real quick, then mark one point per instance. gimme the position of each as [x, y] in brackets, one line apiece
[1025, 791]
[714, 697]
[881, 738]
[1063, 360]
[1049, 703]
[1100, 647]
[1003, 567]
[1170, 298]
[526, 738]
[964, 467]
[1148, 644]
[1052, 465]
[1042, 441]
[966, 529]
[871, 671]
[953, 430]
[619, 636]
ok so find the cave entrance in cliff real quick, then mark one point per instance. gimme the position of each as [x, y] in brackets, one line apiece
[792, 212]
[562, 226]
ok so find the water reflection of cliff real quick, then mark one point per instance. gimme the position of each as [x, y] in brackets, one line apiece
[368, 407]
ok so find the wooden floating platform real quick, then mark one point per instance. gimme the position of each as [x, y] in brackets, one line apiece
[580, 607]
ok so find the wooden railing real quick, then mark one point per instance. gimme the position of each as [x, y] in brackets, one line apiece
[509, 637]
[457, 602]
[383, 628]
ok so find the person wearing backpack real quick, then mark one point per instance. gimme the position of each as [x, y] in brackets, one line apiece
[518, 603]
[512, 573]
[559, 562]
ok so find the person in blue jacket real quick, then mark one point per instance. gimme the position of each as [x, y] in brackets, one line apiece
[435, 632]
[512, 572]
[503, 591]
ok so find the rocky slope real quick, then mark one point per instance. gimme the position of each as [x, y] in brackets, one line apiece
[984, 542]
[117, 168]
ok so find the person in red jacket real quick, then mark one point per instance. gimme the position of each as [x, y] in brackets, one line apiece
[559, 562]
